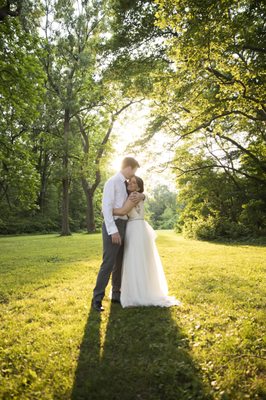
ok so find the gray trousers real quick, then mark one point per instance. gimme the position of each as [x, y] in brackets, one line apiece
[111, 264]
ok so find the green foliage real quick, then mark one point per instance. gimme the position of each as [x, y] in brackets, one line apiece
[219, 54]
[58, 110]
[200, 64]
[211, 228]
[161, 208]
[19, 178]
[133, 25]
[212, 103]
[16, 225]
[214, 204]
[253, 214]
[21, 91]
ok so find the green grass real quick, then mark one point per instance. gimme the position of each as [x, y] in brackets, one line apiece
[53, 346]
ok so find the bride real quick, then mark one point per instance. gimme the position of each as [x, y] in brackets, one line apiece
[143, 279]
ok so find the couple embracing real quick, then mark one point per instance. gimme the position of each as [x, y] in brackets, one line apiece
[129, 250]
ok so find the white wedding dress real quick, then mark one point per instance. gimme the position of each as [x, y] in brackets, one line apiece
[143, 279]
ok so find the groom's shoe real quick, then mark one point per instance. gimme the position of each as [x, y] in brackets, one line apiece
[97, 305]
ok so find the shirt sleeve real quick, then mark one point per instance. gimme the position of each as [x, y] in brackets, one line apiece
[108, 206]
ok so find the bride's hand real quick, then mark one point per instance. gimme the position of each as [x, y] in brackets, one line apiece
[136, 197]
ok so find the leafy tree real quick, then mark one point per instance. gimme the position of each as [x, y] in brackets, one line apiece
[21, 91]
[88, 102]
[216, 85]
[211, 102]
[222, 69]
[70, 64]
[213, 203]
[161, 208]
[96, 128]
[69, 129]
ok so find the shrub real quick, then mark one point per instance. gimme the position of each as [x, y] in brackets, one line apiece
[213, 228]
[201, 229]
[36, 224]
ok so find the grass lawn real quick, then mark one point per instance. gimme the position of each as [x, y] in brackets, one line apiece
[53, 346]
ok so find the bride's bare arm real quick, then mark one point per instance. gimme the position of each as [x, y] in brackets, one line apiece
[133, 199]
[128, 205]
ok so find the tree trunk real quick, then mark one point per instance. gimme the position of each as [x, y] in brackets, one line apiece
[65, 180]
[90, 219]
[65, 207]
[43, 171]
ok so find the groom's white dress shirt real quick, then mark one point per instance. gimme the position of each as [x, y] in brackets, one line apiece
[114, 196]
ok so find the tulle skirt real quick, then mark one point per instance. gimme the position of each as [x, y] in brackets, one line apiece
[143, 278]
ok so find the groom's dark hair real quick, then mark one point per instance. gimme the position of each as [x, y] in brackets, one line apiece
[129, 162]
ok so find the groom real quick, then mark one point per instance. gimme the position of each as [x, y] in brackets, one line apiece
[113, 232]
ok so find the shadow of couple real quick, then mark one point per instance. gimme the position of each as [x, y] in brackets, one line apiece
[143, 356]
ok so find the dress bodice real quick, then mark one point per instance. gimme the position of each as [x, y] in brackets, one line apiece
[137, 212]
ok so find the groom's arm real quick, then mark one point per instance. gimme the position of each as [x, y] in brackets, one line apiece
[108, 205]
[127, 207]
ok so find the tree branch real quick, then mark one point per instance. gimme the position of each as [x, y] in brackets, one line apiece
[83, 134]
[246, 151]
[254, 48]
[183, 172]
[215, 117]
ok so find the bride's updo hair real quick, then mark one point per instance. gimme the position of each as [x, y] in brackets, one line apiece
[140, 184]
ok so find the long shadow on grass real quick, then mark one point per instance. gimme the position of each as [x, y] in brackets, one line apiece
[145, 357]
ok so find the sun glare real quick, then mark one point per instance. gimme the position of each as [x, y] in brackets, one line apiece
[150, 157]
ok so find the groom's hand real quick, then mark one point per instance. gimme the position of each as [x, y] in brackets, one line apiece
[116, 238]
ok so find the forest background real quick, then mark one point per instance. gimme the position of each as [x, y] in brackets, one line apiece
[74, 72]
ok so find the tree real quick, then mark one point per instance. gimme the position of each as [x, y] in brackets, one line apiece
[216, 85]
[211, 102]
[21, 91]
[213, 202]
[87, 84]
[95, 130]
[161, 208]
[70, 65]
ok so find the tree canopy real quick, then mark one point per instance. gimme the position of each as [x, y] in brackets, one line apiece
[70, 69]
[213, 104]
